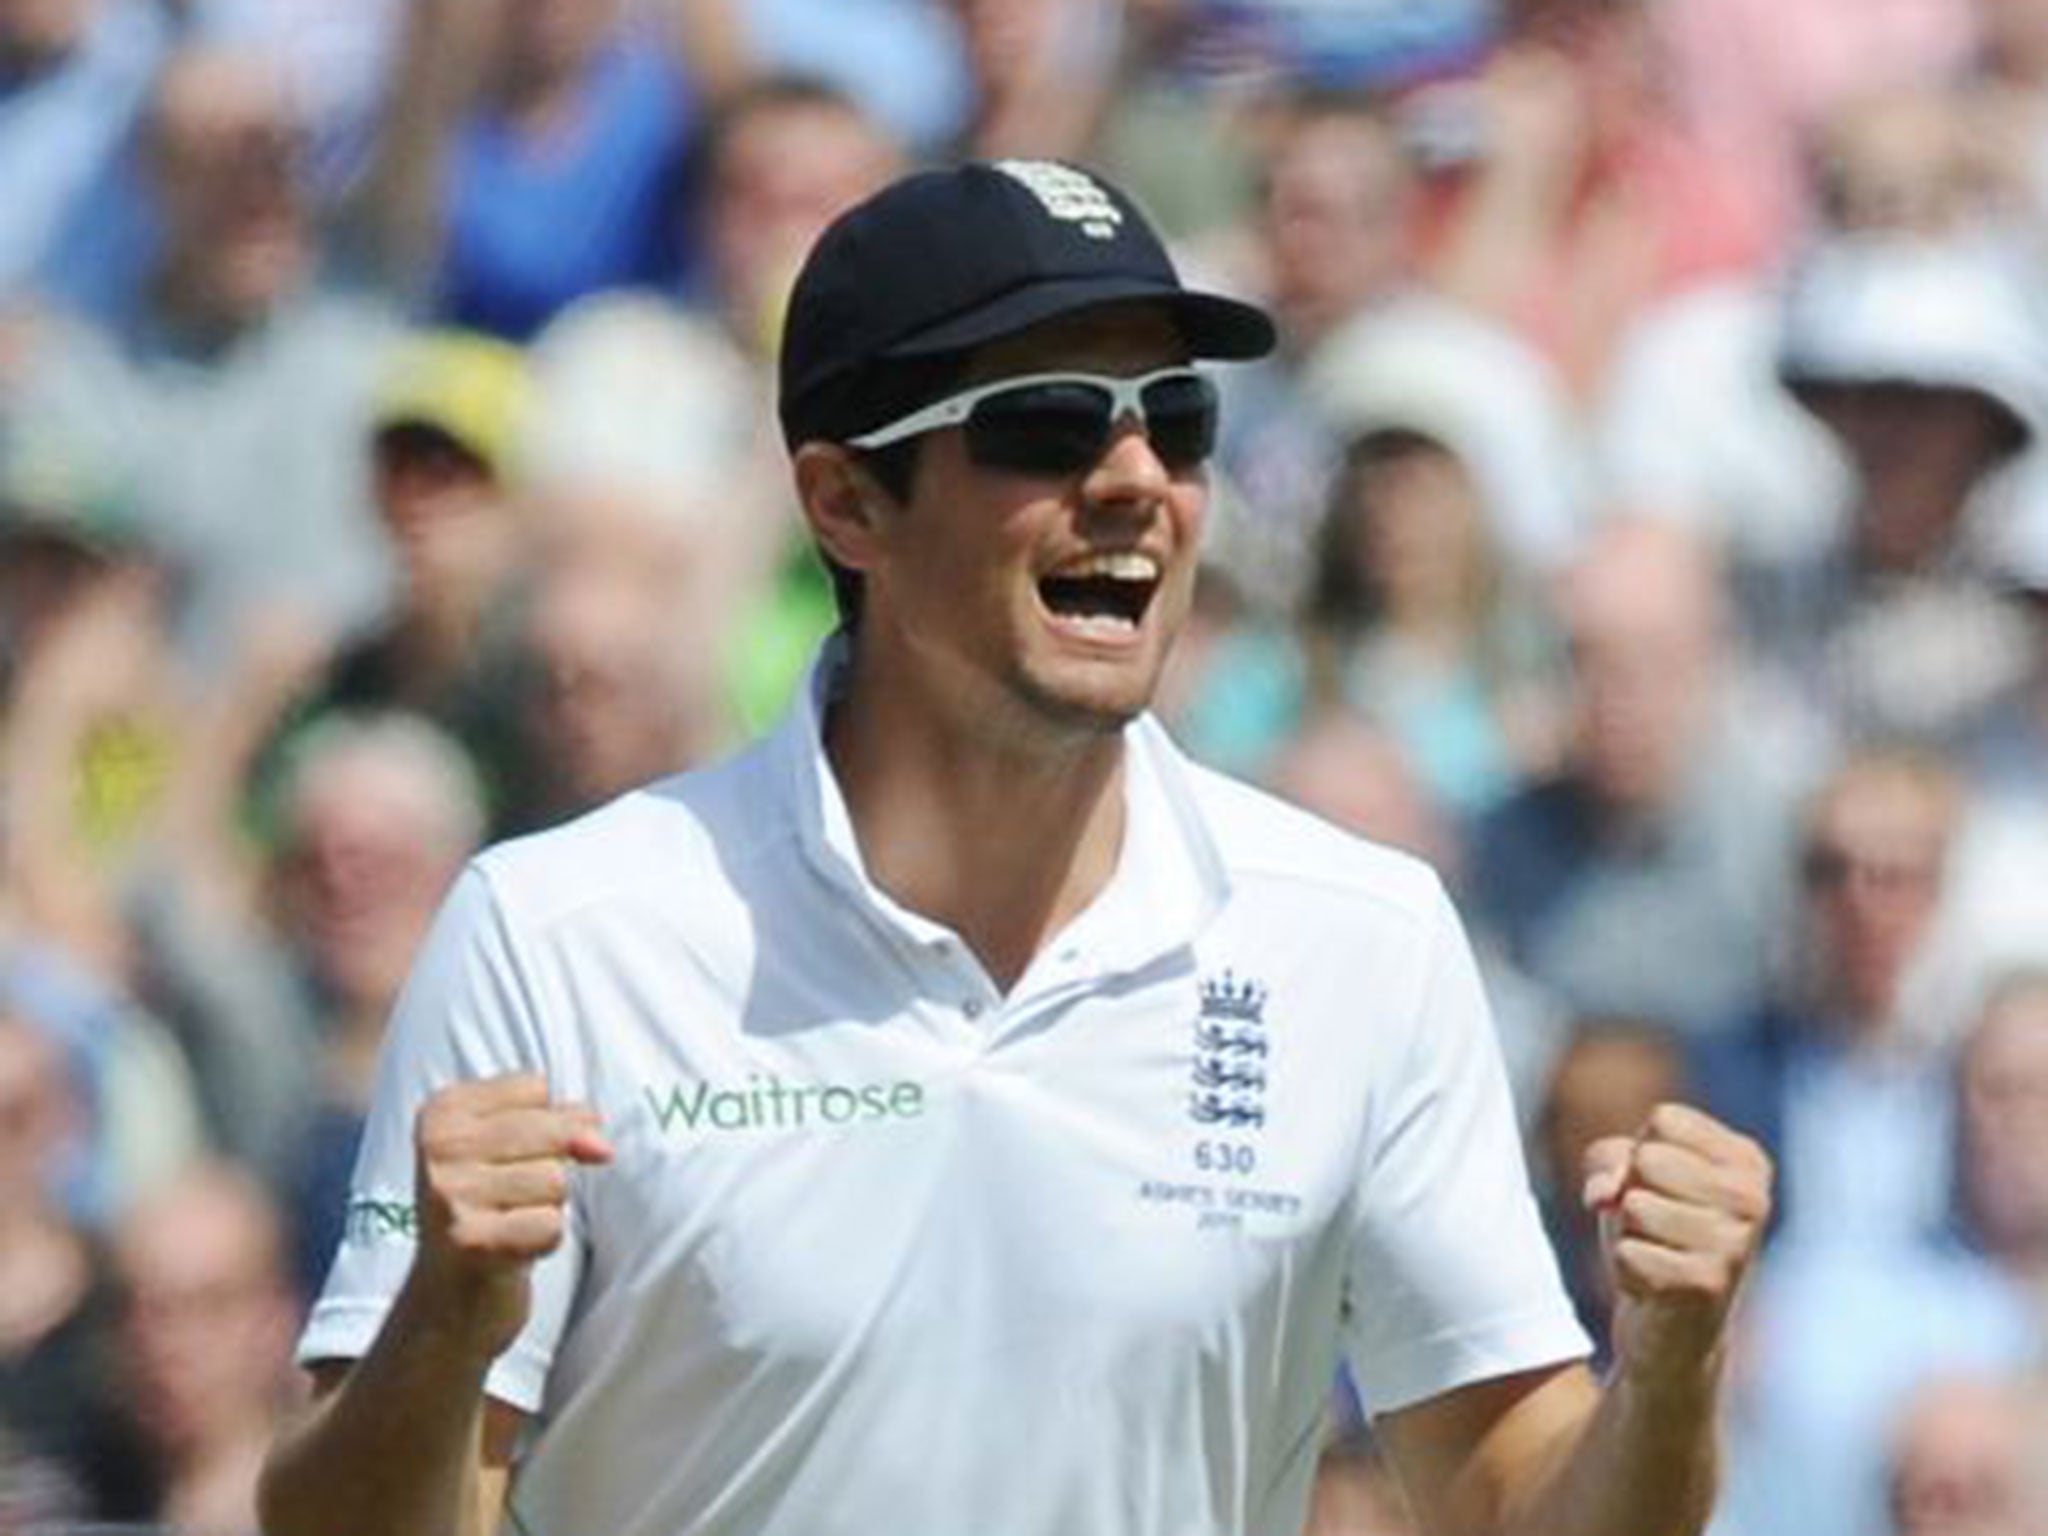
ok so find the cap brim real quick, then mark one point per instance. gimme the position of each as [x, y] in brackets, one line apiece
[1807, 384]
[391, 425]
[1213, 326]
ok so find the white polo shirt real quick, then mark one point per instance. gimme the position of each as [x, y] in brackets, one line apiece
[885, 1249]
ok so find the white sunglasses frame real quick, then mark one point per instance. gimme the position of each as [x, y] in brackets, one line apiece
[1126, 398]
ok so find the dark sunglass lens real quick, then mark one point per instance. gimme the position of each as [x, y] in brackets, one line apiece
[1180, 419]
[1039, 429]
[1824, 868]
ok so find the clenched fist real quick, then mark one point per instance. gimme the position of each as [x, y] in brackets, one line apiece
[1683, 1205]
[492, 1180]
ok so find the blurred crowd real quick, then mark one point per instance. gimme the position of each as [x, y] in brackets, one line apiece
[1645, 521]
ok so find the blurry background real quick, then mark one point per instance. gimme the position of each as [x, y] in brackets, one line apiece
[1645, 520]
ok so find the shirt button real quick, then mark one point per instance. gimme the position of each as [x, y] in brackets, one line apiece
[972, 1007]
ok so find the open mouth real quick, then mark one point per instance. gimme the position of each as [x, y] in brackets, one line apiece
[1105, 593]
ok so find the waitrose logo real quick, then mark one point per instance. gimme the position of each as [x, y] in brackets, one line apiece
[767, 1103]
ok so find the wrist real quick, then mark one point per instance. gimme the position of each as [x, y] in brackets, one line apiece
[1687, 1383]
[458, 1319]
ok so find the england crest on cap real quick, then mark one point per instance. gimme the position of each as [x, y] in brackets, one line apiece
[1067, 193]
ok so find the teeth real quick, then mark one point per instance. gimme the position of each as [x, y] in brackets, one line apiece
[1102, 624]
[1119, 565]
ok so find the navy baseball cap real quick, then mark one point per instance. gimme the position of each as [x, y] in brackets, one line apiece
[946, 260]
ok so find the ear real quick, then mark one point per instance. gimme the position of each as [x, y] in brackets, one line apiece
[841, 501]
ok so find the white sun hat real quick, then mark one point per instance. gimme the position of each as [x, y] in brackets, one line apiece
[1949, 313]
[635, 393]
[1424, 365]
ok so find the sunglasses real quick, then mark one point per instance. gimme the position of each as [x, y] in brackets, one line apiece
[1062, 423]
[1825, 868]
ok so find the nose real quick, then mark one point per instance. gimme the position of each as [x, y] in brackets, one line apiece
[1130, 472]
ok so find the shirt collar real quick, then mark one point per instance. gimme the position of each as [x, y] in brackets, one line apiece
[1169, 880]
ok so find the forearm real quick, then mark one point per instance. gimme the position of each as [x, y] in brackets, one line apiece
[394, 217]
[407, 1442]
[50, 877]
[1550, 1453]
[1646, 1463]
[398, 1446]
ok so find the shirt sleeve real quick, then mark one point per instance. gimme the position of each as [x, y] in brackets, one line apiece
[1451, 1279]
[467, 1011]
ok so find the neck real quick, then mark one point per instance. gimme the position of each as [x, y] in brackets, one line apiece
[1439, 626]
[212, 1489]
[1004, 841]
[201, 308]
[536, 94]
[439, 632]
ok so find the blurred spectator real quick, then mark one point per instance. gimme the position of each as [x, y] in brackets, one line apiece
[2003, 1145]
[1694, 418]
[1587, 198]
[89, 701]
[1414, 617]
[207, 1342]
[2007, 747]
[658, 527]
[1692, 422]
[1335, 213]
[1198, 67]
[1331, 228]
[1851, 1101]
[1966, 1460]
[777, 161]
[446, 438]
[510, 122]
[105, 755]
[101, 746]
[1609, 1075]
[1757, 79]
[1362, 341]
[1042, 72]
[1928, 362]
[1993, 919]
[138, 1118]
[378, 814]
[338, 60]
[2009, 94]
[1417, 618]
[74, 77]
[1231, 690]
[1905, 161]
[1842, 1338]
[1427, 365]
[1351, 773]
[901, 60]
[1927, 359]
[623, 696]
[231, 393]
[1379, 45]
[61, 1401]
[1644, 877]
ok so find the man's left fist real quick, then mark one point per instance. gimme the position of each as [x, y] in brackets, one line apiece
[1683, 1205]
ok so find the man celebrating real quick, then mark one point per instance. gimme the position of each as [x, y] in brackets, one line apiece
[959, 1112]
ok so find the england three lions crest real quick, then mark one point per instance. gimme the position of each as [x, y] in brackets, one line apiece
[1229, 1072]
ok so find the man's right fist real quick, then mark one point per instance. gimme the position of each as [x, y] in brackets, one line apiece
[492, 1179]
